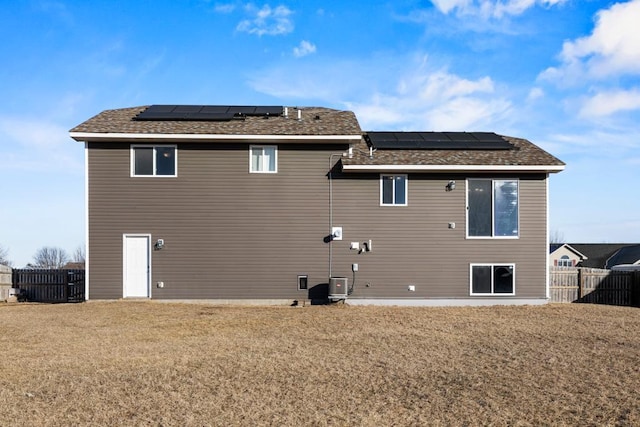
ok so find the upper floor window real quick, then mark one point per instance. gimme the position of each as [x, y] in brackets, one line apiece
[153, 160]
[492, 209]
[393, 190]
[263, 159]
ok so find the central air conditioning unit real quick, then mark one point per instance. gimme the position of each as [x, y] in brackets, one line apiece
[338, 288]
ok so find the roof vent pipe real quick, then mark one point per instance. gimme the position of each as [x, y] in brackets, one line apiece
[370, 152]
[299, 114]
[286, 112]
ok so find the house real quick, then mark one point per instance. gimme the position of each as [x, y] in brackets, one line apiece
[276, 204]
[565, 255]
[593, 255]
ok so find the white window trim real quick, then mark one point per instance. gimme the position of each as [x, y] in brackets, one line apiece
[493, 206]
[265, 168]
[132, 159]
[406, 189]
[492, 265]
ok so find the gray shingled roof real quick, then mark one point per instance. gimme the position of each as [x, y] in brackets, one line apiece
[315, 121]
[597, 253]
[524, 153]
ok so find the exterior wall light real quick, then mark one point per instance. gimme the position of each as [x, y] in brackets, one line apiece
[451, 186]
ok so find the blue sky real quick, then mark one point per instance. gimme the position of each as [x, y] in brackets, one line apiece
[564, 74]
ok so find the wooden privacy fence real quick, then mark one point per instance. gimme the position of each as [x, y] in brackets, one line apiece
[49, 285]
[596, 286]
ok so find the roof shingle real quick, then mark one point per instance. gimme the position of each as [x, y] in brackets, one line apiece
[315, 121]
[524, 153]
[318, 121]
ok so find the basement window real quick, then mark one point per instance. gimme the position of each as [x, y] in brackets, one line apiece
[493, 279]
[303, 282]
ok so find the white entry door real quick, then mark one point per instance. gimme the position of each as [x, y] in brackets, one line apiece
[136, 266]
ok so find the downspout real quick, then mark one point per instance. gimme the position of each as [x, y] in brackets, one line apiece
[547, 242]
[331, 209]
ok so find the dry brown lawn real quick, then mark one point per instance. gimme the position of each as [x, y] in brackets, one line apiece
[145, 363]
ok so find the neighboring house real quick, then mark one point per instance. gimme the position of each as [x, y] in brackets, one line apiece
[593, 255]
[565, 255]
[269, 203]
[625, 256]
[73, 265]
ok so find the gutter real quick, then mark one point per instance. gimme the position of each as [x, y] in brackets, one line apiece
[453, 168]
[117, 136]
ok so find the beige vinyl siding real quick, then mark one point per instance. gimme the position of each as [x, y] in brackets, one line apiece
[232, 234]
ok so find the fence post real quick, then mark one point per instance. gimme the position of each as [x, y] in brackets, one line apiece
[635, 289]
[65, 292]
[580, 284]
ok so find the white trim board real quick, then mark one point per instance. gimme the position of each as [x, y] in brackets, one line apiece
[117, 136]
[452, 168]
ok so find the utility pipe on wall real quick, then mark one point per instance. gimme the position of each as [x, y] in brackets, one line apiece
[331, 208]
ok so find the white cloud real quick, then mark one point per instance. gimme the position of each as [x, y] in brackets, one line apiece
[610, 50]
[38, 145]
[305, 48]
[224, 7]
[446, 6]
[267, 21]
[490, 8]
[415, 97]
[607, 103]
[434, 100]
[535, 93]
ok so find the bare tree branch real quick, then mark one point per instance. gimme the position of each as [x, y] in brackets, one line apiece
[556, 236]
[50, 258]
[79, 255]
[4, 254]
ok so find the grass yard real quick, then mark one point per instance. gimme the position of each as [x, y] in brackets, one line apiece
[145, 363]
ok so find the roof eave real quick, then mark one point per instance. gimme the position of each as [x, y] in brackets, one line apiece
[572, 249]
[453, 168]
[153, 137]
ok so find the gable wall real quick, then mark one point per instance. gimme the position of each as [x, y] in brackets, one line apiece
[230, 234]
[554, 257]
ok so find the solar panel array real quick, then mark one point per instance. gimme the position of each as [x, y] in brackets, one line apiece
[437, 141]
[207, 112]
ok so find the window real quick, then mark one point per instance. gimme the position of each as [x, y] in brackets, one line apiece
[393, 190]
[263, 159]
[565, 261]
[492, 208]
[490, 279]
[159, 160]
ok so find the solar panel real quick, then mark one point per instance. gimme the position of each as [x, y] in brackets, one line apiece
[437, 141]
[433, 136]
[207, 112]
[269, 110]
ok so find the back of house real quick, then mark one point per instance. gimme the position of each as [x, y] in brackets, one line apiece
[276, 204]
